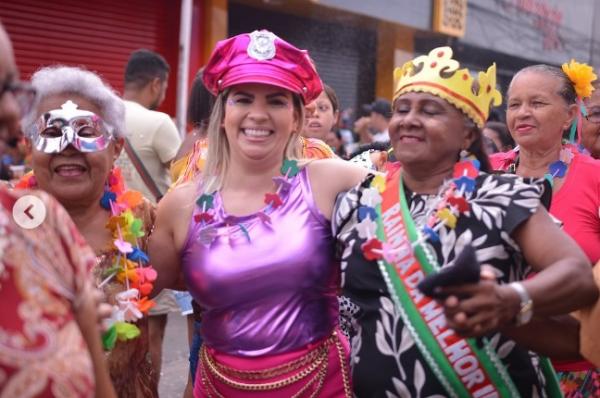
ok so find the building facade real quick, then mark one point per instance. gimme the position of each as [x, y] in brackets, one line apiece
[356, 44]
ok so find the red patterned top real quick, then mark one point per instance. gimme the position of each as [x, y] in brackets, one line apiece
[44, 272]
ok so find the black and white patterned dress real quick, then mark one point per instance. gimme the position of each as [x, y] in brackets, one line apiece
[385, 360]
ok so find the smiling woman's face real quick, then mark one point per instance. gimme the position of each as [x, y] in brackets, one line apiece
[73, 177]
[427, 131]
[536, 113]
[259, 120]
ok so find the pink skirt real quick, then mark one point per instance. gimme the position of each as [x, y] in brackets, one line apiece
[320, 369]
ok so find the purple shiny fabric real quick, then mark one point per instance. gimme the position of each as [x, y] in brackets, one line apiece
[273, 294]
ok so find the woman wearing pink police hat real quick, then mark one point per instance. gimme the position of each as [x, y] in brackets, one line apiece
[252, 237]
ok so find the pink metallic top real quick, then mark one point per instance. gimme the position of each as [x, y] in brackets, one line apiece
[272, 294]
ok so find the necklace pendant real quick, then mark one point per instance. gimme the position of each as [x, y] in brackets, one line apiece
[566, 155]
[431, 234]
[205, 202]
[392, 254]
[107, 197]
[366, 212]
[207, 235]
[372, 249]
[557, 169]
[465, 184]
[446, 216]
[273, 200]
[370, 197]
[283, 184]
[138, 255]
[290, 168]
[459, 203]
[204, 218]
[466, 168]
[263, 217]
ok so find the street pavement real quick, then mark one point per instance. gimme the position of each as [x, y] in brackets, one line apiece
[175, 364]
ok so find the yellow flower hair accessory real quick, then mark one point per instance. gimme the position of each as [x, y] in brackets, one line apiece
[582, 76]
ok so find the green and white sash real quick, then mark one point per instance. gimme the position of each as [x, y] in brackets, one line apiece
[463, 368]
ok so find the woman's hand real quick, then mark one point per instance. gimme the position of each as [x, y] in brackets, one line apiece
[103, 309]
[479, 308]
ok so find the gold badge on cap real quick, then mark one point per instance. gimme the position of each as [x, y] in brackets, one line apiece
[262, 45]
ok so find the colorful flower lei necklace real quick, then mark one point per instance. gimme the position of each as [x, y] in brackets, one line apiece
[556, 169]
[450, 204]
[131, 266]
[205, 202]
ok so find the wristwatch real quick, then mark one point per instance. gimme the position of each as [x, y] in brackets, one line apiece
[526, 307]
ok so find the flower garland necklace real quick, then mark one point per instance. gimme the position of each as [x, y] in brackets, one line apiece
[449, 205]
[131, 266]
[556, 169]
[206, 216]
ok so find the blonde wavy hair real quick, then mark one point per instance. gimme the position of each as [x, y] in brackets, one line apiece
[217, 158]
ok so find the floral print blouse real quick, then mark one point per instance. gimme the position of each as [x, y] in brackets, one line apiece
[385, 359]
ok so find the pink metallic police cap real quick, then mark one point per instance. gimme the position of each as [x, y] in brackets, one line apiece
[262, 57]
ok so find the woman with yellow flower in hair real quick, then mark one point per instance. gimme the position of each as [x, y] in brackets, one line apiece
[424, 319]
[544, 115]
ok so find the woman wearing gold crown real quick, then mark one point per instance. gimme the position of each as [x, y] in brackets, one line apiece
[441, 204]
[544, 103]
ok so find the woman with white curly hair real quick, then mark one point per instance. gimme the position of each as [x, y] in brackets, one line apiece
[76, 131]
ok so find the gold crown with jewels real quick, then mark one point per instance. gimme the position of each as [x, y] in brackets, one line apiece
[438, 74]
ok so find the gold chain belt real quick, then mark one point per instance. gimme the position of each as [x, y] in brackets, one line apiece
[316, 354]
[315, 363]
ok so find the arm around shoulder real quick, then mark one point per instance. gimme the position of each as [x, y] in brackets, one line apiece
[339, 175]
[329, 178]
